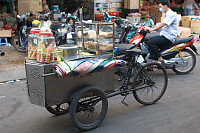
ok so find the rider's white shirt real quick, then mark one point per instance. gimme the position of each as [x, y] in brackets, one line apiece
[170, 30]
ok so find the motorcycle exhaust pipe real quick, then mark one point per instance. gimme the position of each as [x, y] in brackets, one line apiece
[169, 62]
[2, 53]
[179, 62]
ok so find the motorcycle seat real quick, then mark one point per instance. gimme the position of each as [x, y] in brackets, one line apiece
[133, 52]
[181, 41]
[151, 35]
[123, 48]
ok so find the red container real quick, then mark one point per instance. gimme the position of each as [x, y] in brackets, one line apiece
[99, 17]
[7, 27]
[115, 13]
[110, 13]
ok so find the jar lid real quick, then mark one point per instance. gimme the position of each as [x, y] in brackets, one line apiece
[44, 33]
[35, 30]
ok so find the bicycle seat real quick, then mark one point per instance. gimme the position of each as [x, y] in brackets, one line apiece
[151, 35]
[133, 52]
[123, 48]
[181, 41]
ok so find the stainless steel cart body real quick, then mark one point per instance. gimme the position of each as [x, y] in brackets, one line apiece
[45, 88]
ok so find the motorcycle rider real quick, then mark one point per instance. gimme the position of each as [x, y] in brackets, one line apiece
[169, 29]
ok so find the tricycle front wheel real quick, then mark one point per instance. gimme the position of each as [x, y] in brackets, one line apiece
[59, 109]
[88, 108]
[153, 80]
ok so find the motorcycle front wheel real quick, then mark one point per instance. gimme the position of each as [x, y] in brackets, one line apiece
[17, 45]
[185, 69]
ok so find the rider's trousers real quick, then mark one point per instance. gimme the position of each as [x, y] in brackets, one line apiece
[157, 44]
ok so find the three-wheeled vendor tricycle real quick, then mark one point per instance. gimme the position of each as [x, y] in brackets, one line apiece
[85, 96]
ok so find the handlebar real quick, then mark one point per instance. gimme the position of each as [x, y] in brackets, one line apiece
[148, 31]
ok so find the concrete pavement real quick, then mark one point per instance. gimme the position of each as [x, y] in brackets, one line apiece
[12, 64]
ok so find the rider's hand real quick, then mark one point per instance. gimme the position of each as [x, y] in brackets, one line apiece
[148, 29]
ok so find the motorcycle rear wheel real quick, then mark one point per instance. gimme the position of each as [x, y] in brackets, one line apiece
[16, 45]
[191, 63]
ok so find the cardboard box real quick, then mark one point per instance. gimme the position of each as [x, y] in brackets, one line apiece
[29, 5]
[195, 25]
[159, 19]
[131, 4]
[125, 3]
[134, 20]
[183, 32]
[186, 21]
[156, 8]
[5, 33]
[153, 11]
[159, 14]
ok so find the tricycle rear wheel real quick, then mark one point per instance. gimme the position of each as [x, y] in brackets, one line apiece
[88, 108]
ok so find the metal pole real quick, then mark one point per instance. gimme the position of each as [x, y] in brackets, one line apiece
[113, 37]
[13, 7]
[81, 21]
[97, 50]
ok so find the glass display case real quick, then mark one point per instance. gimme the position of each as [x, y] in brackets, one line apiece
[96, 37]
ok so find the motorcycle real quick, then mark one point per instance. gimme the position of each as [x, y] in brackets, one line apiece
[128, 32]
[65, 33]
[124, 30]
[177, 57]
[20, 31]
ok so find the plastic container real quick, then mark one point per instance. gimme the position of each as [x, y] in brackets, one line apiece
[59, 55]
[32, 43]
[46, 47]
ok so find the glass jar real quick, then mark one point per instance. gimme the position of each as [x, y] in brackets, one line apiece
[46, 47]
[32, 44]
